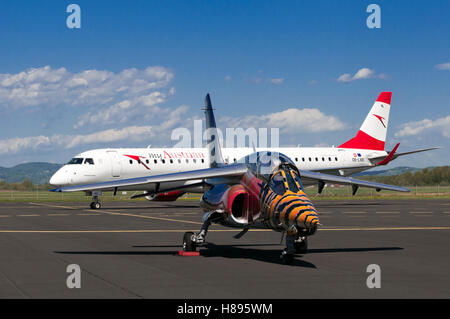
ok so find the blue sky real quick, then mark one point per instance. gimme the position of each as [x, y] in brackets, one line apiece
[256, 58]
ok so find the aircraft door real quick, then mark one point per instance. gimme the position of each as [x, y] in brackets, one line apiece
[116, 165]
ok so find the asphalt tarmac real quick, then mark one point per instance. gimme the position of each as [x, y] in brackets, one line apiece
[130, 250]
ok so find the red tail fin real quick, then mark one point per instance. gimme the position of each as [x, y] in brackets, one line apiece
[372, 134]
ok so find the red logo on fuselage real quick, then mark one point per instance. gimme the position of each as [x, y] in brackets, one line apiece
[138, 159]
[380, 118]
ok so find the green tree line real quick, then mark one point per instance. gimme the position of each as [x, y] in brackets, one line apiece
[25, 185]
[426, 177]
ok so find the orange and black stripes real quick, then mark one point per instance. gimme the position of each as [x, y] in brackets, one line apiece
[281, 211]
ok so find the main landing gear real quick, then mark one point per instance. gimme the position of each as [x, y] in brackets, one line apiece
[191, 241]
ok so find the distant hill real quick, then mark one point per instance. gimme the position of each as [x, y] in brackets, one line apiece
[390, 172]
[38, 173]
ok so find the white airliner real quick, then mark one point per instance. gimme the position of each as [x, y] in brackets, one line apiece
[362, 152]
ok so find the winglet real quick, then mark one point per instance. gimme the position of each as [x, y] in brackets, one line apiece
[215, 153]
[389, 157]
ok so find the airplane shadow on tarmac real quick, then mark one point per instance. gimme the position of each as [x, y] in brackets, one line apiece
[234, 251]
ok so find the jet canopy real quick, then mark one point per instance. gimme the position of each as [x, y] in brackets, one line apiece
[264, 164]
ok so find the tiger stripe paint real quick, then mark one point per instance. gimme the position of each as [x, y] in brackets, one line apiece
[282, 211]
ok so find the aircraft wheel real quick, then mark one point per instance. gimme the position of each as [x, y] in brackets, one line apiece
[188, 243]
[288, 259]
[301, 247]
[96, 205]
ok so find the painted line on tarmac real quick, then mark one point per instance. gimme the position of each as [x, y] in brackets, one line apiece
[143, 216]
[354, 212]
[420, 212]
[55, 206]
[213, 230]
[28, 215]
[387, 212]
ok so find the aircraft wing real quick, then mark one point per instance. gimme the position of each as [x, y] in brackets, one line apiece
[233, 170]
[334, 179]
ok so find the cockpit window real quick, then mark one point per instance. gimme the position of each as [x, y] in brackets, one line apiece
[76, 160]
[297, 179]
[291, 183]
[277, 184]
[89, 161]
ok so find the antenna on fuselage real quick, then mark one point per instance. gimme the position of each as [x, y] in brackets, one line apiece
[212, 136]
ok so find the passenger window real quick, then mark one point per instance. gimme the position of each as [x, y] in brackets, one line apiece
[147, 161]
[195, 161]
[187, 161]
[131, 161]
[179, 161]
[163, 161]
[329, 158]
[309, 159]
[203, 160]
[296, 159]
[303, 159]
[156, 161]
[323, 159]
[171, 161]
[335, 159]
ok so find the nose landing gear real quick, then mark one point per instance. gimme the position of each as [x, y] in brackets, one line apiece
[95, 204]
[295, 244]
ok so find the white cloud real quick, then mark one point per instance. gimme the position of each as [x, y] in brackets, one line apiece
[276, 81]
[228, 78]
[46, 86]
[289, 121]
[122, 111]
[441, 125]
[20, 144]
[443, 66]
[363, 73]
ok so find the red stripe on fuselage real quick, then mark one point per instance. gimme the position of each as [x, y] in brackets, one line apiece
[137, 159]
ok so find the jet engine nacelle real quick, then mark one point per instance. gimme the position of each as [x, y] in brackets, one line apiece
[239, 205]
[165, 197]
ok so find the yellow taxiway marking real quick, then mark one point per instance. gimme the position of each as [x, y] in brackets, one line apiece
[387, 212]
[386, 228]
[353, 213]
[90, 214]
[421, 212]
[55, 206]
[58, 214]
[144, 216]
[213, 230]
[28, 215]
[5, 215]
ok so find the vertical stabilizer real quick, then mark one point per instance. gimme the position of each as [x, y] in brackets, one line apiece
[215, 153]
[372, 134]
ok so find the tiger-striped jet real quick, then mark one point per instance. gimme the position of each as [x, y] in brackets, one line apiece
[262, 190]
[362, 152]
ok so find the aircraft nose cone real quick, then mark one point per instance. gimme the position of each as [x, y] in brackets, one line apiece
[57, 179]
